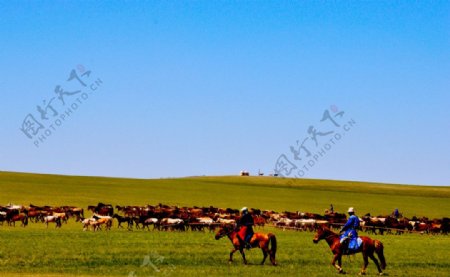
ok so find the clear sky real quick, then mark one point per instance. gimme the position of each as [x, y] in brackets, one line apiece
[178, 88]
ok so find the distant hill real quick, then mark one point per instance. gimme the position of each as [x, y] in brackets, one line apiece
[272, 193]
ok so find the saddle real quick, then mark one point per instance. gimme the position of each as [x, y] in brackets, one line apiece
[242, 234]
[352, 245]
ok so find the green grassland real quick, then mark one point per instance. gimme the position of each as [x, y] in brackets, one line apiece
[38, 251]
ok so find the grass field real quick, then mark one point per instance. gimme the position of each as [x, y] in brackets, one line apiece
[37, 251]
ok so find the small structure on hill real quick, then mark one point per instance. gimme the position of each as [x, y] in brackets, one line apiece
[244, 173]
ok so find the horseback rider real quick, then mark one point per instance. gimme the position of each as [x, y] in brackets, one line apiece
[349, 229]
[246, 222]
[396, 213]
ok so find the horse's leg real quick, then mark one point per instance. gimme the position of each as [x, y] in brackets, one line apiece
[337, 257]
[366, 262]
[231, 254]
[375, 261]
[264, 250]
[339, 260]
[243, 254]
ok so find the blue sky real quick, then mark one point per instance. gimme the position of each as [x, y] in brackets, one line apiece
[215, 87]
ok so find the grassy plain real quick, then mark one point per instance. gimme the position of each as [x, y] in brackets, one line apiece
[38, 251]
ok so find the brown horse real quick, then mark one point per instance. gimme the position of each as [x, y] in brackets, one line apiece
[258, 240]
[22, 217]
[368, 247]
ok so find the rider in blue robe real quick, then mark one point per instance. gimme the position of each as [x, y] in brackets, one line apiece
[350, 235]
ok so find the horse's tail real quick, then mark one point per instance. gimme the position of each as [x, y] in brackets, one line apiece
[379, 250]
[273, 247]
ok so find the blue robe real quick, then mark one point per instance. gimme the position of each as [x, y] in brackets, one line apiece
[350, 231]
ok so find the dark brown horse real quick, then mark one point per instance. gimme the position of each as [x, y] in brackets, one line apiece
[22, 217]
[368, 248]
[102, 209]
[258, 240]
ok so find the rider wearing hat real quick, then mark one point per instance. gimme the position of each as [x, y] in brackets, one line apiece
[350, 227]
[246, 223]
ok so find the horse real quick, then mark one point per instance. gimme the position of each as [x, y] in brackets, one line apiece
[122, 219]
[172, 224]
[150, 221]
[100, 220]
[2, 217]
[34, 215]
[87, 222]
[53, 218]
[367, 248]
[102, 209]
[96, 221]
[258, 240]
[62, 216]
[77, 212]
[22, 217]
[259, 220]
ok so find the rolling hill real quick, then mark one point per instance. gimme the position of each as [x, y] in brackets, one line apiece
[271, 193]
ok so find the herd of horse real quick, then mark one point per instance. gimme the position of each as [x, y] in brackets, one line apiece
[165, 217]
[46, 214]
[388, 224]
[223, 222]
